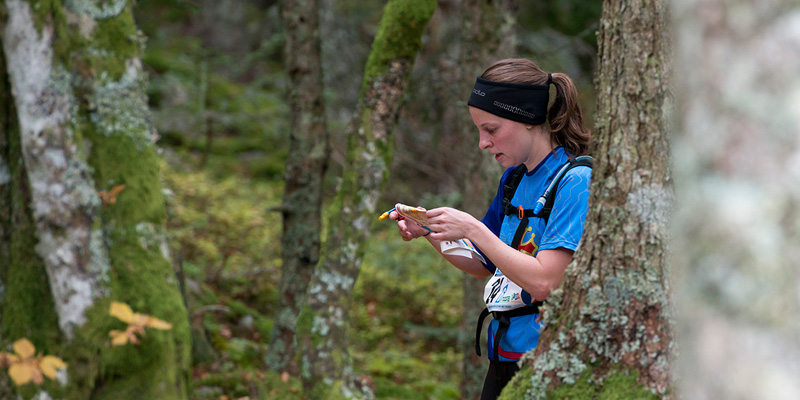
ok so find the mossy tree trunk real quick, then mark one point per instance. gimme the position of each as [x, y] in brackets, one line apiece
[84, 129]
[610, 321]
[737, 176]
[369, 153]
[308, 154]
[487, 30]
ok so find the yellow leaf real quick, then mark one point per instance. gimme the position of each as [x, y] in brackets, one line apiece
[156, 323]
[122, 311]
[24, 348]
[139, 320]
[118, 338]
[50, 366]
[21, 373]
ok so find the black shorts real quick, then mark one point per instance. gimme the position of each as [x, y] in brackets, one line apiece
[497, 377]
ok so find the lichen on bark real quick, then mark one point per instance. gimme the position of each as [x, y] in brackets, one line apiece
[84, 127]
[612, 313]
[366, 172]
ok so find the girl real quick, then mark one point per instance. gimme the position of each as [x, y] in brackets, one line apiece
[527, 250]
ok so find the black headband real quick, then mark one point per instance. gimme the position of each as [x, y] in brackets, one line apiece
[514, 101]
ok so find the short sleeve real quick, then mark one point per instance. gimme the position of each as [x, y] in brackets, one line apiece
[568, 217]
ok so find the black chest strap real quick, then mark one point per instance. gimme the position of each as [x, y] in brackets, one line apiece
[544, 206]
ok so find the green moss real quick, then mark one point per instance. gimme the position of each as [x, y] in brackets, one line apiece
[617, 385]
[519, 386]
[245, 382]
[123, 159]
[402, 19]
[117, 128]
[114, 41]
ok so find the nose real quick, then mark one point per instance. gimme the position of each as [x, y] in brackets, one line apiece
[484, 142]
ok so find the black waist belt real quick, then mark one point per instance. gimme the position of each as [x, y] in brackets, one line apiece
[504, 321]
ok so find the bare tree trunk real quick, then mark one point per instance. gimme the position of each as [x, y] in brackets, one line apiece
[308, 154]
[84, 128]
[353, 210]
[737, 164]
[487, 34]
[610, 321]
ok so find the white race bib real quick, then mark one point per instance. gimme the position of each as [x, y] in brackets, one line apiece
[500, 294]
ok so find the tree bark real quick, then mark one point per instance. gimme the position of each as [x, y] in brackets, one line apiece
[737, 167]
[305, 166]
[353, 210]
[487, 34]
[84, 128]
[610, 321]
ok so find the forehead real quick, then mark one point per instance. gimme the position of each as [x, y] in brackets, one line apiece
[481, 117]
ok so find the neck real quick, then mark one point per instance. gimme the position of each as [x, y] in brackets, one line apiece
[540, 148]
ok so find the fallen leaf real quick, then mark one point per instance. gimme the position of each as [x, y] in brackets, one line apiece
[50, 366]
[24, 348]
[121, 311]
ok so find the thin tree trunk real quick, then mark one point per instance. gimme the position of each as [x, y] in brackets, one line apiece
[610, 322]
[308, 154]
[353, 211]
[737, 163]
[487, 34]
[84, 128]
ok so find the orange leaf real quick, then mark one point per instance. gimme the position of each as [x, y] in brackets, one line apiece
[37, 376]
[110, 197]
[50, 366]
[20, 373]
[132, 337]
[24, 348]
[121, 311]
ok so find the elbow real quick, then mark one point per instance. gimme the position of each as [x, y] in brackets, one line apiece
[480, 275]
[541, 290]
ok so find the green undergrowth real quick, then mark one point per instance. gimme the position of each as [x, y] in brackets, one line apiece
[223, 127]
[405, 309]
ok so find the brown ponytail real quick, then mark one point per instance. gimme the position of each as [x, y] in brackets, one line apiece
[564, 114]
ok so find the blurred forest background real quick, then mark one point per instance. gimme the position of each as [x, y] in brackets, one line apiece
[217, 90]
[88, 206]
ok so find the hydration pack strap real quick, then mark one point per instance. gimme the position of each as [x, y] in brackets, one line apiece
[504, 320]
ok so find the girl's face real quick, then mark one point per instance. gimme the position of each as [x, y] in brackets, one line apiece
[510, 142]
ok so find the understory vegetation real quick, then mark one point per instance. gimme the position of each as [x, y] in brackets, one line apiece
[217, 92]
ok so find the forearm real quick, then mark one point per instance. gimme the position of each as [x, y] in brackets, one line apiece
[470, 265]
[537, 275]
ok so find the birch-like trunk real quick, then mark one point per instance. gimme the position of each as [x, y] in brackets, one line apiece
[610, 321]
[737, 162]
[82, 127]
[369, 152]
[308, 154]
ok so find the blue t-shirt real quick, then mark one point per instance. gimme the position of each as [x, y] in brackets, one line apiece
[563, 229]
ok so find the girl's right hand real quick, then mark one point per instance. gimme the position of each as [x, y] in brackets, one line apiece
[408, 229]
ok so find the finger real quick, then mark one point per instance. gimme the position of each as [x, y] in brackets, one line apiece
[393, 215]
[435, 212]
[402, 225]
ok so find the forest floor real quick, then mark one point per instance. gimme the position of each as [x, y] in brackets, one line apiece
[406, 303]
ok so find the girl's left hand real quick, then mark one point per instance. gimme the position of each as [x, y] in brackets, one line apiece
[449, 224]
